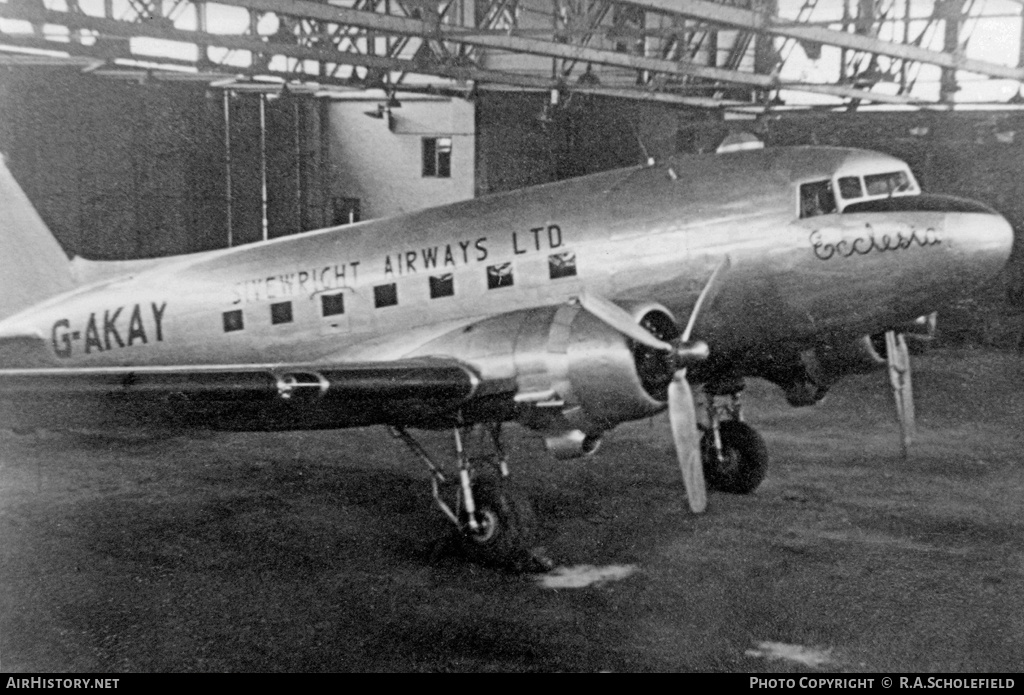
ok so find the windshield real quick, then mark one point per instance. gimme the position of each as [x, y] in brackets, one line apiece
[889, 183]
[817, 198]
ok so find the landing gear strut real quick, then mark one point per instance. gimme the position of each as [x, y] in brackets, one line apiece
[495, 523]
[734, 455]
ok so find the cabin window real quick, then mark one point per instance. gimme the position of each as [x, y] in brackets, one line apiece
[281, 312]
[385, 295]
[332, 304]
[887, 184]
[849, 187]
[233, 321]
[437, 157]
[442, 286]
[562, 265]
[817, 199]
[499, 276]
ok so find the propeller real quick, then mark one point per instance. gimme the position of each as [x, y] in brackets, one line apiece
[682, 412]
[898, 358]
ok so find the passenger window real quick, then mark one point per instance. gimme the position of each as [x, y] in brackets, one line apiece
[817, 199]
[442, 286]
[385, 295]
[887, 184]
[281, 312]
[233, 321]
[849, 187]
[562, 265]
[499, 276]
[332, 304]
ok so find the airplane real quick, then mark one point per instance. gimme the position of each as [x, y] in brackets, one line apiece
[567, 308]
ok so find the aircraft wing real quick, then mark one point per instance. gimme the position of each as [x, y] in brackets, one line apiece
[244, 396]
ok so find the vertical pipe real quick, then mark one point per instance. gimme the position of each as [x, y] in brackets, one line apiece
[952, 12]
[324, 164]
[1020, 57]
[263, 165]
[842, 51]
[906, 39]
[298, 167]
[227, 166]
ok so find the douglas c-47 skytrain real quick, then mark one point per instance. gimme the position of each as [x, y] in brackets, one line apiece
[567, 308]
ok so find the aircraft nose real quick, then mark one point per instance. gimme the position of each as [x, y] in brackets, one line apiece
[983, 240]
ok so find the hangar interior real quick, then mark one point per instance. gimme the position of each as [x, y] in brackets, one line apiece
[143, 128]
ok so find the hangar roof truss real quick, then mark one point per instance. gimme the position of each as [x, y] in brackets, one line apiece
[734, 54]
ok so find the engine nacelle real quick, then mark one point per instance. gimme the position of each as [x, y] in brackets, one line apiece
[575, 375]
[575, 372]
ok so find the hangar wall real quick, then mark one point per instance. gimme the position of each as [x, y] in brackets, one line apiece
[124, 169]
[137, 168]
[110, 165]
[523, 140]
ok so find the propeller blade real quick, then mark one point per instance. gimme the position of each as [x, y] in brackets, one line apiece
[619, 319]
[711, 288]
[682, 414]
[898, 358]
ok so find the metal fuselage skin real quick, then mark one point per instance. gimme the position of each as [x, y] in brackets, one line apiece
[647, 234]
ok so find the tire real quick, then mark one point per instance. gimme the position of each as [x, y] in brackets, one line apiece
[744, 454]
[506, 539]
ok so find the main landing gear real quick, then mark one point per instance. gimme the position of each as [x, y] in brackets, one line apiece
[495, 523]
[734, 455]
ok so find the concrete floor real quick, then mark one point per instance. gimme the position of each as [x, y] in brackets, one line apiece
[322, 551]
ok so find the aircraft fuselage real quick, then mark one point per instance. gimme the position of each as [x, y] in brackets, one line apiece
[384, 289]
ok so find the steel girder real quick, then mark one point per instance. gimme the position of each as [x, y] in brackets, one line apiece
[683, 51]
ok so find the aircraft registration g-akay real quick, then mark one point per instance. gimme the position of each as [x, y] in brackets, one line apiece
[568, 308]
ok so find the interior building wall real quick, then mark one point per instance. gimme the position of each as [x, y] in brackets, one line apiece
[116, 169]
[122, 169]
[524, 139]
[378, 161]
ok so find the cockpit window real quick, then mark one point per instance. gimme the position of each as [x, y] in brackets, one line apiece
[817, 198]
[850, 188]
[887, 184]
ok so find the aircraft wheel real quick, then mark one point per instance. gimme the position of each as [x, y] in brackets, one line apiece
[744, 458]
[507, 528]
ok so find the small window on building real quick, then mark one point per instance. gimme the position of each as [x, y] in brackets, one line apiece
[850, 188]
[817, 199]
[499, 276]
[442, 286]
[233, 321]
[562, 265]
[332, 304]
[281, 312]
[385, 295]
[437, 157]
